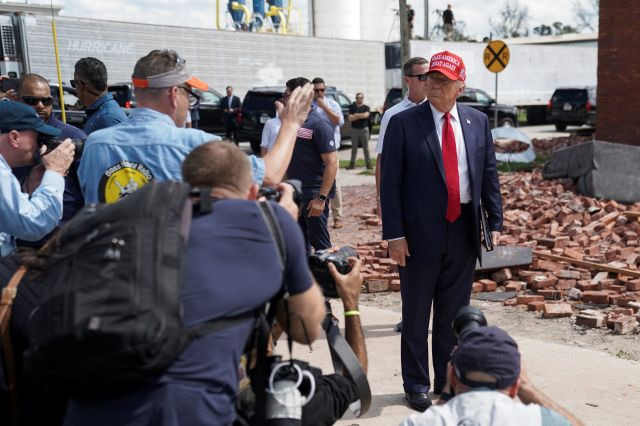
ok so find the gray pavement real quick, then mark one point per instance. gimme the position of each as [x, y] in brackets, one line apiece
[596, 387]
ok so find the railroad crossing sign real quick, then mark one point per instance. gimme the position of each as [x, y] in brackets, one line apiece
[496, 56]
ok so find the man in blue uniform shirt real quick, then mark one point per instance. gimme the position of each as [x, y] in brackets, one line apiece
[90, 82]
[21, 216]
[200, 387]
[315, 164]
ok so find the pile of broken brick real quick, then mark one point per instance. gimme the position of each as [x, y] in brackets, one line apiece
[586, 254]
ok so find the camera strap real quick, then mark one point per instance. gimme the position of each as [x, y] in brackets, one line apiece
[344, 359]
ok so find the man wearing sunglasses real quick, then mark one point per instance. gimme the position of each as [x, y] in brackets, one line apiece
[90, 82]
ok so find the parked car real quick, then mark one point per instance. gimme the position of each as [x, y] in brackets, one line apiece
[572, 106]
[475, 98]
[345, 103]
[212, 117]
[73, 109]
[124, 95]
[258, 107]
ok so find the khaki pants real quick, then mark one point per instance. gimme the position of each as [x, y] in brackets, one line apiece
[360, 137]
[336, 202]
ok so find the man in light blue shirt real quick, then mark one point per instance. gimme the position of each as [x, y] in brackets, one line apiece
[23, 216]
[152, 144]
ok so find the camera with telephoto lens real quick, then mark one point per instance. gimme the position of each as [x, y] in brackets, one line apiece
[318, 262]
[467, 319]
[272, 194]
[52, 143]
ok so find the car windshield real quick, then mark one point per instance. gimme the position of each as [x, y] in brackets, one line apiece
[570, 95]
[121, 94]
[261, 101]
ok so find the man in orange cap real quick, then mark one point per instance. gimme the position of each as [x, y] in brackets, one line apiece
[151, 143]
[436, 171]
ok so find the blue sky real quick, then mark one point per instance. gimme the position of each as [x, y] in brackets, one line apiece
[201, 13]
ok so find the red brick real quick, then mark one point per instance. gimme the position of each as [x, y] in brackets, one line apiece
[536, 306]
[376, 286]
[566, 284]
[590, 319]
[525, 299]
[622, 311]
[568, 275]
[550, 294]
[510, 302]
[586, 286]
[502, 275]
[488, 285]
[633, 285]
[394, 285]
[542, 281]
[625, 300]
[624, 324]
[514, 286]
[634, 305]
[557, 310]
[595, 297]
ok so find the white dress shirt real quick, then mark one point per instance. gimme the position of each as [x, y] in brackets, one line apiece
[400, 106]
[270, 133]
[463, 166]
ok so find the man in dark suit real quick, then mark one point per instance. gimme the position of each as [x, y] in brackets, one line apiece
[231, 106]
[438, 164]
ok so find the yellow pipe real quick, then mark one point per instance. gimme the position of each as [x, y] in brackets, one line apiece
[55, 50]
[237, 6]
[288, 15]
[284, 22]
[218, 14]
[273, 11]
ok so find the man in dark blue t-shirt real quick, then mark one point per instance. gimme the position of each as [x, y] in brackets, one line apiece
[232, 267]
[315, 164]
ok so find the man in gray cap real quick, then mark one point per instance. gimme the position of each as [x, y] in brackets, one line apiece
[21, 216]
[485, 376]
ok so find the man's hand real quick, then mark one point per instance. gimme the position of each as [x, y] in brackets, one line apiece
[349, 285]
[322, 103]
[60, 158]
[495, 237]
[398, 250]
[316, 207]
[11, 94]
[279, 107]
[298, 106]
[286, 199]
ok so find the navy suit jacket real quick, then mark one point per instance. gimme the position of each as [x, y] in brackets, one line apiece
[235, 102]
[413, 190]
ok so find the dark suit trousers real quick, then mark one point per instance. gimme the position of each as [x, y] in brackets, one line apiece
[444, 279]
[315, 229]
[230, 122]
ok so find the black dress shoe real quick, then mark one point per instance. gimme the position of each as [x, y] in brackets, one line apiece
[398, 327]
[418, 401]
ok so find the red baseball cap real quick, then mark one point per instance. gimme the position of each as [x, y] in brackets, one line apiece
[448, 64]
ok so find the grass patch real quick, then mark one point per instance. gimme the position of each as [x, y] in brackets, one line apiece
[359, 163]
[366, 172]
[375, 129]
[523, 167]
[624, 355]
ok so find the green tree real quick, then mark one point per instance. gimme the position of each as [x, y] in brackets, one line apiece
[513, 20]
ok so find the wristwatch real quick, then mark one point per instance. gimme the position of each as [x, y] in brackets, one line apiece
[321, 197]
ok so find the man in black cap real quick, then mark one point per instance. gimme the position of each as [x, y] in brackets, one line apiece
[21, 216]
[485, 376]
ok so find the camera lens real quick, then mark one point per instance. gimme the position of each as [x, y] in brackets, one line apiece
[468, 318]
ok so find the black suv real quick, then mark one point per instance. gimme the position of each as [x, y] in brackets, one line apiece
[572, 106]
[123, 94]
[475, 98]
[258, 106]
[73, 110]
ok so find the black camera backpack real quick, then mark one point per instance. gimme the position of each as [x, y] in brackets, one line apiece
[110, 317]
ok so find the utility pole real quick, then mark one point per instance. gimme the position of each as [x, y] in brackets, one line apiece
[426, 19]
[405, 42]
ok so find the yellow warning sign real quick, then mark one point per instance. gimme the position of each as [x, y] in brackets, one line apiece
[496, 56]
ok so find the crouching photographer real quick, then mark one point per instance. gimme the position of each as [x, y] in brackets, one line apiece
[484, 377]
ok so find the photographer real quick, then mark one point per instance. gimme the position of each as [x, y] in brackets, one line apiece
[232, 267]
[21, 216]
[485, 375]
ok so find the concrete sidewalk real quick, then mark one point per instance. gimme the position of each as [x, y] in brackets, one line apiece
[596, 387]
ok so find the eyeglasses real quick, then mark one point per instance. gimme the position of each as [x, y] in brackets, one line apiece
[74, 82]
[35, 100]
[193, 98]
[319, 90]
[421, 77]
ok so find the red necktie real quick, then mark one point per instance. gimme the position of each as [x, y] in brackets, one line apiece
[450, 159]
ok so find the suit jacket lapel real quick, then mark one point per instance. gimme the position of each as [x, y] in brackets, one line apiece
[429, 130]
[468, 126]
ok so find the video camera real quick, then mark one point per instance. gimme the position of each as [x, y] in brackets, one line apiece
[318, 262]
[52, 143]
